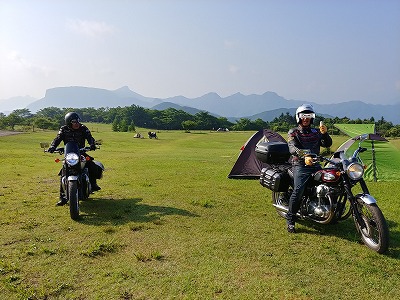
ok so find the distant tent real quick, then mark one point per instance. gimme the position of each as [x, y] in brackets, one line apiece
[247, 165]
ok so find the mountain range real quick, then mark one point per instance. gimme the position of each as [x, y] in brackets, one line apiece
[266, 106]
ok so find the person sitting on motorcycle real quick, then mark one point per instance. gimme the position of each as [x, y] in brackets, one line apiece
[74, 131]
[304, 139]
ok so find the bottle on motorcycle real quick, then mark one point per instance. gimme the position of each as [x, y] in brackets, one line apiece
[322, 127]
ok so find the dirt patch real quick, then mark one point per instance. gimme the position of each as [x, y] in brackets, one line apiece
[8, 132]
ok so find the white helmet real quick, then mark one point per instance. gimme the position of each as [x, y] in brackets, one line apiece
[307, 110]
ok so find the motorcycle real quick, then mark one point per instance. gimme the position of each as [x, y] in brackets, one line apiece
[75, 175]
[328, 197]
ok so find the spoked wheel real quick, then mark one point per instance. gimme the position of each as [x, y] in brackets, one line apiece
[73, 199]
[280, 201]
[375, 234]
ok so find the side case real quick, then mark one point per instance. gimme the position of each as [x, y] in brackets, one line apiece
[275, 180]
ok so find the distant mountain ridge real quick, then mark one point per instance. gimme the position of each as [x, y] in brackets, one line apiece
[7, 106]
[266, 106]
[79, 97]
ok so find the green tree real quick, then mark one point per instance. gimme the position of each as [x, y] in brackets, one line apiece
[188, 125]
[13, 119]
[54, 113]
[123, 126]
[260, 124]
[242, 124]
[132, 126]
[45, 123]
[115, 124]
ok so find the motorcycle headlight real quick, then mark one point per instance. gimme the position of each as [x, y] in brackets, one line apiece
[72, 159]
[355, 171]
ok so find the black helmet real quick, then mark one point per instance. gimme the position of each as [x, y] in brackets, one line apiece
[71, 116]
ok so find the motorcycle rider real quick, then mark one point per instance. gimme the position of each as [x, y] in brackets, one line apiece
[74, 131]
[304, 139]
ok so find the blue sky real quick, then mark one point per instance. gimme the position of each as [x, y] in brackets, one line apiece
[322, 51]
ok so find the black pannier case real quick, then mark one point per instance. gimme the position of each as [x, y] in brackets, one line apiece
[274, 179]
[273, 152]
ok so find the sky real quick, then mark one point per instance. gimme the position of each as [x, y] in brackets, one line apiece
[326, 51]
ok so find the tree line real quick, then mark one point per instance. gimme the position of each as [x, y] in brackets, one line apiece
[127, 118]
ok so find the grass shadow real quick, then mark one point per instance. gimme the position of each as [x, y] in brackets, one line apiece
[99, 211]
[346, 230]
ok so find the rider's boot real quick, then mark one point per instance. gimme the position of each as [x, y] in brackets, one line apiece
[63, 200]
[291, 228]
[94, 185]
[291, 225]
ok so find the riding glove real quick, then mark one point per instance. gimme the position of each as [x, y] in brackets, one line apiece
[308, 160]
[51, 149]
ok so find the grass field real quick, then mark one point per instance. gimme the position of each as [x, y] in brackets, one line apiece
[168, 224]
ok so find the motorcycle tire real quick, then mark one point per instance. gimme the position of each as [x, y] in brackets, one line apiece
[73, 200]
[375, 234]
[281, 203]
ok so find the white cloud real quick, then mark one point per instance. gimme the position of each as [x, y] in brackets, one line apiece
[89, 28]
[20, 62]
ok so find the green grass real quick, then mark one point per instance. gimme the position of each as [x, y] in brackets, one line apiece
[168, 224]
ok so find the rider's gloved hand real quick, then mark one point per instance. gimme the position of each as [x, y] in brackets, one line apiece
[93, 147]
[308, 160]
[51, 149]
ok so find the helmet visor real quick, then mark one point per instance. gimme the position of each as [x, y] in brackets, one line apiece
[74, 121]
[307, 115]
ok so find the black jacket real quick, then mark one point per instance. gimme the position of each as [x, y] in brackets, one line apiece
[306, 138]
[67, 134]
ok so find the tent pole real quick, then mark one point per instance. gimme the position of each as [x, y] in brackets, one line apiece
[373, 160]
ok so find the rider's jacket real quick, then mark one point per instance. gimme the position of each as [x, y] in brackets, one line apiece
[306, 138]
[67, 134]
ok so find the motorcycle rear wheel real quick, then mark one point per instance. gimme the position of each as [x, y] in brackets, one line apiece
[73, 200]
[375, 235]
[281, 202]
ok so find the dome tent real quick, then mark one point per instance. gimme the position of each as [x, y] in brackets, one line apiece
[247, 166]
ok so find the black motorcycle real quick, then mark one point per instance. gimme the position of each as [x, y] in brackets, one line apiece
[74, 174]
[328, 197]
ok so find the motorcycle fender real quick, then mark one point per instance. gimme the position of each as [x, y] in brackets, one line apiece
[73, 178]
[366, 198]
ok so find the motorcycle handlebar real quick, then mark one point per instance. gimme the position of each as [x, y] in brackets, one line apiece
[319, 158]
[61, 150]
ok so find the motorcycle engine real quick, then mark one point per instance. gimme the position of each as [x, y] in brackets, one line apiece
[319, 206]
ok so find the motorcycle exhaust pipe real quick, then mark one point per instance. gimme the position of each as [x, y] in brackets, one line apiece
[281, 208]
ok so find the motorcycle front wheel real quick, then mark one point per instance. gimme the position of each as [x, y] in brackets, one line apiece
[73, 200]
[375, 234]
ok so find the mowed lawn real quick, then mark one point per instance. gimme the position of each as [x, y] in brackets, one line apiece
[168, 224]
